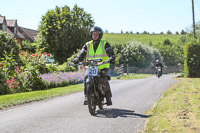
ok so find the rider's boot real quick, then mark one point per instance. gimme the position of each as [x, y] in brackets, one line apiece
[109, 102]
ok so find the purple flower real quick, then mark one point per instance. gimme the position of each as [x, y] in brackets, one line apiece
[62, 78]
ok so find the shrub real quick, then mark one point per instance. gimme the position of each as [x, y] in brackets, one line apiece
[14, 79]
[36, 60]
[192, 58]
[66, 67]
[7, 42]
[33, 76]
[136, 55]
[27, 46]
[51, 68]
[4, 89]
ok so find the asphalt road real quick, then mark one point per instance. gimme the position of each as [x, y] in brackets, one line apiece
[67, 114]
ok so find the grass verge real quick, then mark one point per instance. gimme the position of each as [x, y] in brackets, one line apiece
[21, 98]
[178, 111]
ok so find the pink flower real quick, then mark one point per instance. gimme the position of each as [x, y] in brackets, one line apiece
[11, 83]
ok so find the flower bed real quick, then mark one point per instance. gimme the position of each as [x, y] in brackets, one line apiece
[62, 78]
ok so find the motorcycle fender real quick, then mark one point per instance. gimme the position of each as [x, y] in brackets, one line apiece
[89, 80]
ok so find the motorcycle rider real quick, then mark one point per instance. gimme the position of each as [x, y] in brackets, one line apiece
[158, 64]
[97, 48]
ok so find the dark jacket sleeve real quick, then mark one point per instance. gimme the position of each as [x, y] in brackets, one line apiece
[109, 51]
[81, 56]
[161, 65]
[158, 65]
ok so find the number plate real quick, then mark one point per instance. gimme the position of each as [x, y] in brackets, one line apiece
[92, 70]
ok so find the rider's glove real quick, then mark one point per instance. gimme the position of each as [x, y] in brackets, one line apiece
[112, 60]
[76, 61]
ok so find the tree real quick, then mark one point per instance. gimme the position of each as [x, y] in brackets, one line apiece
[121, 31]
[63, 31]
[167, 42]
[137, 55]
[145, 32]
[106, 31]
[177, 33]
[172, 53]
[161, 33]
[183, 32]
[169, 32]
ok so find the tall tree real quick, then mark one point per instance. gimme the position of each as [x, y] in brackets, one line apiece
[169, 32]
[63, 31]
[183, 32]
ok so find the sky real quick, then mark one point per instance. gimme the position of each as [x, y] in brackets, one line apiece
[111, 15]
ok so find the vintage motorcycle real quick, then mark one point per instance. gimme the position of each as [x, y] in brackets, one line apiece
[95, 92]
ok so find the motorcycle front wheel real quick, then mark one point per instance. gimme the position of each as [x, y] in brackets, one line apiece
[91, 100]
[159, 74]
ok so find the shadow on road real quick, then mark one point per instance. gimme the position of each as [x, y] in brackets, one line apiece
[114, 113]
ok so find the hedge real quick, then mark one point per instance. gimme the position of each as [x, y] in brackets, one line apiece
[192, 58]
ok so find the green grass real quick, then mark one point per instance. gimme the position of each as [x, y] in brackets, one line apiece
[21, 98]
[145, 39]
[178, 111]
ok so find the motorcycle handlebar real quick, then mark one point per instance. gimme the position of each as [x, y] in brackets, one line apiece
[88, 62]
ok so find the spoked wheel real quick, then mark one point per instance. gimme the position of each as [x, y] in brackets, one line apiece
[91, 101]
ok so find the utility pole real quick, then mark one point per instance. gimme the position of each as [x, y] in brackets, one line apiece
[194, 30]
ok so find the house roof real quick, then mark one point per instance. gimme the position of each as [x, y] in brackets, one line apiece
[19, 35]
[2, 18]
[9, 32]
[29, 32]
[22, 33]
[11, 23]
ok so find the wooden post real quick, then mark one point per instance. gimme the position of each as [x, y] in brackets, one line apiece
[194, 30]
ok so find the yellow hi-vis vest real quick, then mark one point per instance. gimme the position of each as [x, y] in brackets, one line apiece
[100, 53]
